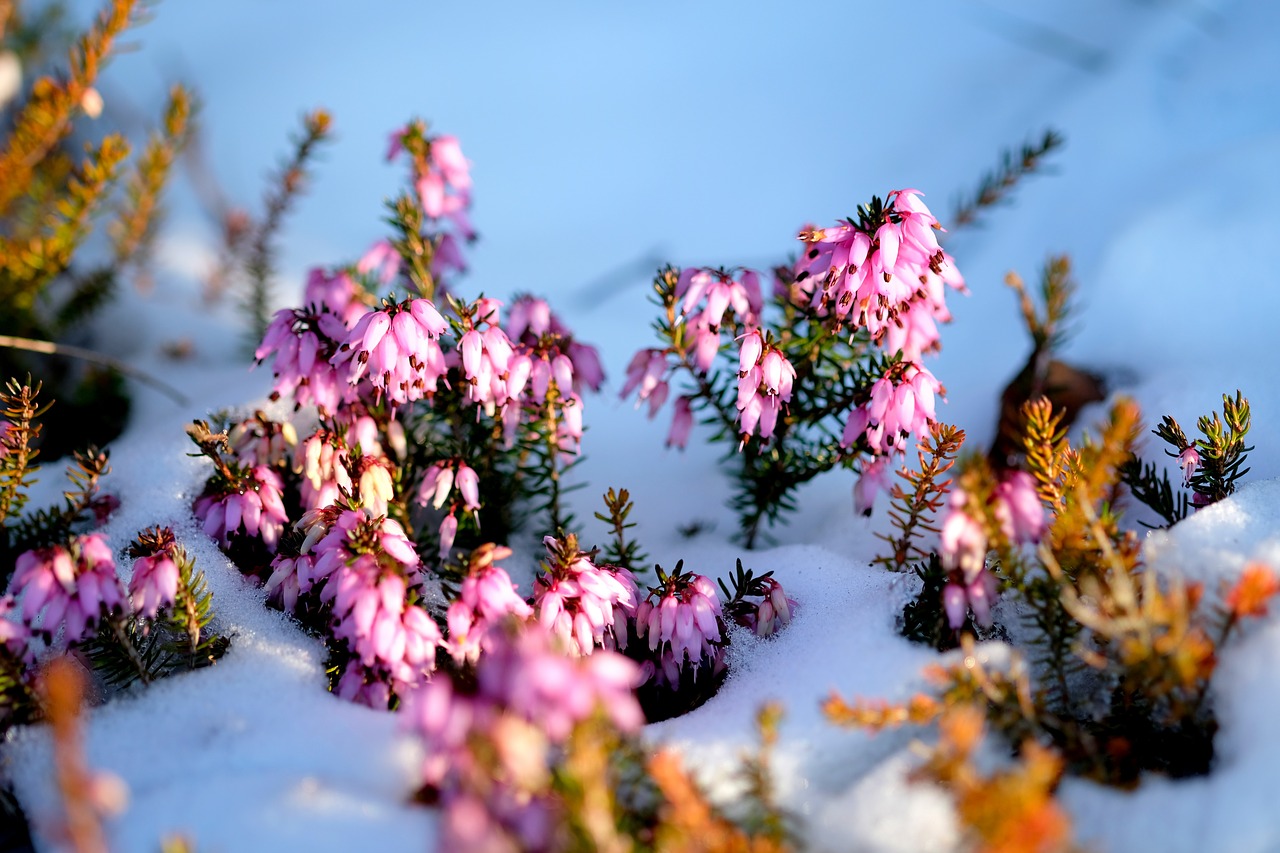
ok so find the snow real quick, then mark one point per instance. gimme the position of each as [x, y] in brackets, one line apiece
[608, 138]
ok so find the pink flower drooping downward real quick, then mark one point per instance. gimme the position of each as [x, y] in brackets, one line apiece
[884, 272]
[397, 348]
[71, 587]
[251, 507]
[154, 585]
[681, 620]
[583, 604]
[765, 379]
[487, 600]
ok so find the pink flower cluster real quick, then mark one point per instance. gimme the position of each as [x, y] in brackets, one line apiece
[765, 380]
[303, 342]
[72, 587]
[887, 276]
[705, 296]
[646, 375]
[487, 600]
[442, 180]
[252, 507]
[530, 320]
[773, 611]
[489, 747]
[582, 604]
[363, 561]
[154, 585]
[682, 621]
[397, 346]
[901, 404]
[963, 543]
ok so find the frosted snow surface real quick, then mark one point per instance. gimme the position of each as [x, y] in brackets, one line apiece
[608, 138]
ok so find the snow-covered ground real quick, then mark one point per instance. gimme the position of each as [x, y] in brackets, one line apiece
[607, 138]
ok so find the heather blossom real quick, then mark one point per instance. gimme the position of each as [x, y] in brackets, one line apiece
[441, 174]
[363, 561]
[681, 422]
[396, 346]
[531, 319]
[878, 270]
[681, 619]
[72, 586]
[323, 460]
[303, 342]
[486, 599]
[1018, 508]
[154, 585]
[764, 385]
[583, 604]
[901, 404]
[258, 440]
[645, 374]
[1189, 460]
[250, 504]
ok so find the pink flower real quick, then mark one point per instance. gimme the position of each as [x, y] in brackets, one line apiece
[154, 584]
[976, 594]
[901, 404]
[489, 740]
[252, 507]
[261, 441]
[873, 480]
[381, 261]
[334, 292]
[1019, 509]
[397, 346]
[583, 604]
[1189, 459]
[388, 635]
[440, 481]
[721, 291]
[486, 600]
[323, 460]
[303, 342]
[645, 375]
[682, 622]
[72, 587]
[14, 634]
[764, 385]
[681, 423]
[962, 542]
[886, 275]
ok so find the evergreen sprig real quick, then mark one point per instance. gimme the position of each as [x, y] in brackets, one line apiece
[621, 550]
[286, 186]
[996, 185]
[134, 227]
[17, 461]
[46, 117]
[913, 512]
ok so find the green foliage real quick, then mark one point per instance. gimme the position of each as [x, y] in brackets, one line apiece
[180, 638]
[835, 366]
[1213, 464]
[996, 185]
[258, 259]
[621, 551]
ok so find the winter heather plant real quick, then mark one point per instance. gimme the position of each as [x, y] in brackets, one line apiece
[829, 373]
[64, 594]
[423, 431]
[1110, 668]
